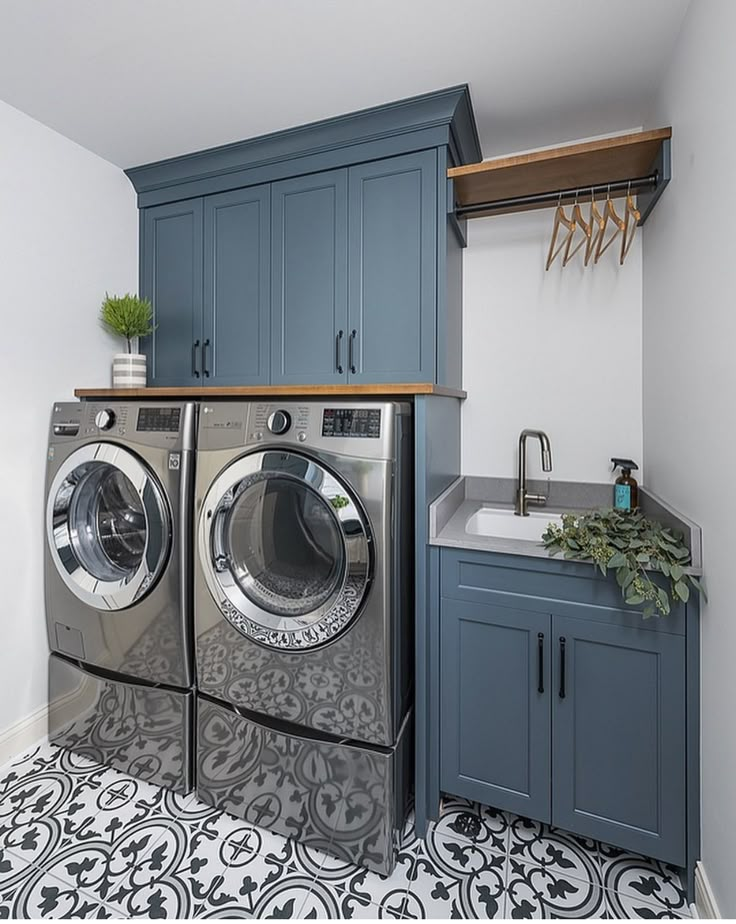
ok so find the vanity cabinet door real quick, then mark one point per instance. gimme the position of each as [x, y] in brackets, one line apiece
[171, 277]
[619, 735]
[495, 706]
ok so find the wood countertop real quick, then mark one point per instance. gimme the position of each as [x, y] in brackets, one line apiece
[274, 391]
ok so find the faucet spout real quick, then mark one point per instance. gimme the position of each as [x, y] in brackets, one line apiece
[523, 497]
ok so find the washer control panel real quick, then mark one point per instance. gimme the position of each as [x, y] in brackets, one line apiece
[158, 420]
[363, 423]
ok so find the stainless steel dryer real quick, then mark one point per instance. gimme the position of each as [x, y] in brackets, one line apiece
[303, 596]
[119, 491]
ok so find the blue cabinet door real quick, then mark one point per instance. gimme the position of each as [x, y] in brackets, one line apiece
[495, 706]
[237, 249]
[393, 269]
[619, 735]
[171, 277]
[309, 280]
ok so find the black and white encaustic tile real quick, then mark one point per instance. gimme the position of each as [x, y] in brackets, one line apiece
[79, 840]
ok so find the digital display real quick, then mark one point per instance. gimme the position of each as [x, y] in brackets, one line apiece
[354, 422]
[159, 420]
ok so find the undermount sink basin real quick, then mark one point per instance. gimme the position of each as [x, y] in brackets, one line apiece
[490, 521]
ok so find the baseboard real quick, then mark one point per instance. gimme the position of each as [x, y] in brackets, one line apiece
[705, 902]
[22, 734]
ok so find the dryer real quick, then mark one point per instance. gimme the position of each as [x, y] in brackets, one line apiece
[303, 614]
[119, 490]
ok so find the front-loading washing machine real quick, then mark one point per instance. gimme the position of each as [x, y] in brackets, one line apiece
[303, 614]
[119, 493]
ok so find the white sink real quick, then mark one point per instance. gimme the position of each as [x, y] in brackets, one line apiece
[490, 521]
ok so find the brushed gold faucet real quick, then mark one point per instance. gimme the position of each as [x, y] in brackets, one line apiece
[523, 497]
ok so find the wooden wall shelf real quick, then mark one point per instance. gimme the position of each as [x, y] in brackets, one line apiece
[273, 391]
[486, 188]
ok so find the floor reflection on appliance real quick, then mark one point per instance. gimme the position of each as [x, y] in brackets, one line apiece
[335, 689]
[140, 730]
[332, 796]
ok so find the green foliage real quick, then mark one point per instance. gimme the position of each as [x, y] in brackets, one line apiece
[630, 545]
[338, 501]
[127, 316]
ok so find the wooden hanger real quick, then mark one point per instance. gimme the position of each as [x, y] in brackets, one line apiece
[609, 214]
[585, 226]
[632, 216]
[569, 223]
[597, 226]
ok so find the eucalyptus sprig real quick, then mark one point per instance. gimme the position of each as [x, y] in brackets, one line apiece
[127, 316]
[631, 545]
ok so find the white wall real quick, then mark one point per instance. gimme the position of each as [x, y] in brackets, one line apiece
[690, 378]
[68, 232]
[558, 350]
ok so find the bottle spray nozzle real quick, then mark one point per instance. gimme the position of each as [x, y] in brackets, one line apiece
[626, 465]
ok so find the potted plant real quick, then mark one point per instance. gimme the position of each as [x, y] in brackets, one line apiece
[131, 317]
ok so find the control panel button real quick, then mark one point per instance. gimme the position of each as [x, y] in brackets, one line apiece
[301, 436]
[279, 422]
[105, 420]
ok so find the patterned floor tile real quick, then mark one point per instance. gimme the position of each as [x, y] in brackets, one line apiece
[42, 895]
[537, 844]
[325, 902]
[639, 879]
[470, 822]
[259, 887]
[451, 879]
[625, 906]
[534, 891]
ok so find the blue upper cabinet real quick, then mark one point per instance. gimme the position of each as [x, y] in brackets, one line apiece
[357, 279]
[237, 256]
[171, 277]
[309, 280]
[392, 269]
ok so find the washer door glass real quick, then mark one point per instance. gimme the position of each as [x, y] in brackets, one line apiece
[285, 549]
[108, 526]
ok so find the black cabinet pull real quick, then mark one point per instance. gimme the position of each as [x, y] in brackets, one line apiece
[195, 347]
[338, 352]
[540, 662]
[351, 347]
[562, 667]
[204, 358]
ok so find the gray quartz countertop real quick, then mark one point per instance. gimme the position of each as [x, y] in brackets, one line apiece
[451, 511]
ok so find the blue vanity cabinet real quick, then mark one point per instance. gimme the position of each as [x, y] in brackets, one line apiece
[309, 278]
[392, 259]
[557, 702]
[171, 277]
[237, 259]
[495, 668]
[618, 765]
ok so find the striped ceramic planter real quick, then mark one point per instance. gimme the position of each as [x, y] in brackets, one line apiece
[129, 370]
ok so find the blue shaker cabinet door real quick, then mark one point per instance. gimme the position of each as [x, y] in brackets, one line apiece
[393, 269]
[309, 279]
[235, 346]
[171, 277]
[619, 736]
[495, 709]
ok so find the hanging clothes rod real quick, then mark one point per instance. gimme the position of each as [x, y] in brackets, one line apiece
[584, 193]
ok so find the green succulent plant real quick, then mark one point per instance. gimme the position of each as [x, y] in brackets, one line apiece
[127, 316]
[632, 546]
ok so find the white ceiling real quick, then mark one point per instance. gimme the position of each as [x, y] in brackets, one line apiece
[140, 80]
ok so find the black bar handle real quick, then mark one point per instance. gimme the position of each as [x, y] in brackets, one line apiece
[338, 352]
[540, 662]
[562, 667]
[195, 347]
[204, 358]
[351, 347]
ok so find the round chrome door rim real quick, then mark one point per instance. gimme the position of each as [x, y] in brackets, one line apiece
[272, 629]
[110, 595]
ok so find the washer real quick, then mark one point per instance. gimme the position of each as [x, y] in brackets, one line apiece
[119, 486]
[303, 613]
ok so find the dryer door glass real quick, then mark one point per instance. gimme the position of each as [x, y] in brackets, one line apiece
[108, 526]
[285, 549]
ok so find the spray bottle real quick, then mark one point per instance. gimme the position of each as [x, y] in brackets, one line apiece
[626, 489]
